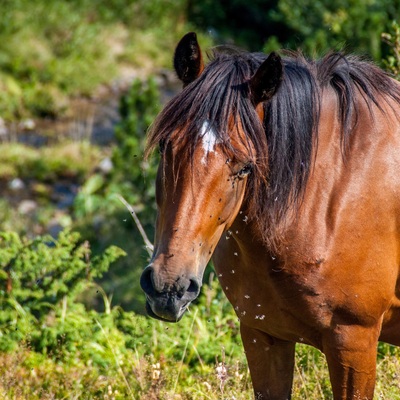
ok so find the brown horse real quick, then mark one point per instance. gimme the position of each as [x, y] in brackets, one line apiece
[286, 172]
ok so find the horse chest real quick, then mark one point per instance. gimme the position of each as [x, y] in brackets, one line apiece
[271, 298]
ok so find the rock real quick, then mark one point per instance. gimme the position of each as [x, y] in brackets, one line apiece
[27, 124]
[16, 184]
[27, 207]
[60, 220]
[54, 229]
[3, 129]
[106, 165]
[64, 194]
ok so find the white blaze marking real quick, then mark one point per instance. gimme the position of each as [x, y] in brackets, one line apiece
[209, 140]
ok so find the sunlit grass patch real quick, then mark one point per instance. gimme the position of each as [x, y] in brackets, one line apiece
[63, 160]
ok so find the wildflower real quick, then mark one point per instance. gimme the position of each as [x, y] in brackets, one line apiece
[156, 372]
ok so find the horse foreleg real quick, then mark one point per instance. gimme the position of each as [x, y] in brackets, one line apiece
[271, 364]
[351, 355]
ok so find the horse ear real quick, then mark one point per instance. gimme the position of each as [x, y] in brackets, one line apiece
[267, 79]
[188, 61]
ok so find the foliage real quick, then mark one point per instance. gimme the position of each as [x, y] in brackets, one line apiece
[46, 179]
[138, 109]
[247, 24]
[62, 350]
[53, 343]
[49, 331]
[351, 24]
[130, 174]
[392, 39]
[312, 25]
[101, 216]
[37, 276]
[52, 50]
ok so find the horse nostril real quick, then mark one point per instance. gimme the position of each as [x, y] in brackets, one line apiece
[153, 286]
[147, 281]
[187, 288]
[194, 286]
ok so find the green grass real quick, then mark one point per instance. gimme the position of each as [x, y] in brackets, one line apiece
[129, 356]
[152, 369]
[51, 51]
[73, 160]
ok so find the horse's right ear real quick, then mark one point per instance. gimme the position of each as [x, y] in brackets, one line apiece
[188, 61]
[267, 79]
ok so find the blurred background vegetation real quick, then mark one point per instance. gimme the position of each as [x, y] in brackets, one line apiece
[52, 50]
[80, 82]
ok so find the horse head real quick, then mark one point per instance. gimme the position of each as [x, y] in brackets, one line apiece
[209, 138]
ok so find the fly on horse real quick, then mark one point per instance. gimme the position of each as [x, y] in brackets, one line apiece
[286, 171]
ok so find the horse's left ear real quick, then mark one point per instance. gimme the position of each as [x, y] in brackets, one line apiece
[267, 79]
[188, 61]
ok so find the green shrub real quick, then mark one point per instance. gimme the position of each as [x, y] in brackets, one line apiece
[130, 177]
[38, 280]
[392, 39]
[138, 109]
[98, 212]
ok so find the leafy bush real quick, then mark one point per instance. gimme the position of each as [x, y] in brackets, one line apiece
[41, 276]
[130, 177]
[392, 39]
[98, 212]
[138, 109]
[45, 328]
[311, 25]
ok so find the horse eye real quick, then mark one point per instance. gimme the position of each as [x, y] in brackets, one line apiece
[245, 171]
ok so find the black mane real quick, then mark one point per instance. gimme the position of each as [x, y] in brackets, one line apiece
[284, 142]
